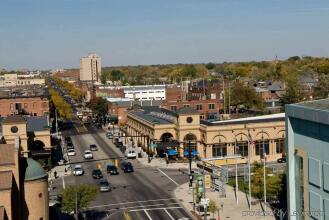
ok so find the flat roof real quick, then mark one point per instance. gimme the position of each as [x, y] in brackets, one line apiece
[7, 154]
[255, 119]
[316, 111]
[147, 116]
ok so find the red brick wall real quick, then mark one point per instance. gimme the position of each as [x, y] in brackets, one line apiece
[174, 93]
[33, 105]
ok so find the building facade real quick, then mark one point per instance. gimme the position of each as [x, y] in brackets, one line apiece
[215, 142]
[307, 127]
[90, 68]
[12, 79]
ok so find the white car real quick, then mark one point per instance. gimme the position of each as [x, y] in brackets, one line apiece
[88, 154]
[130, 153]
[71, 152]
[78, 171]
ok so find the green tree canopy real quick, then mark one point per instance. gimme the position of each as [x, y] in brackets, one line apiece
[98, 106]
[82, 194]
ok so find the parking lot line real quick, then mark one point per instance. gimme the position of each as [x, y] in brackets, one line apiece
[168, 177]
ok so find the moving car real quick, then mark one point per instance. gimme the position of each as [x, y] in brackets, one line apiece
[70, 146]
[104, 186]
[88, 154]
[282, 160]
[97, 174]
[78, 171]
[127, 167]
[112, 169]
[119, 144]
[93, 147]
[71, 152]
[130, 153]
[68, 140]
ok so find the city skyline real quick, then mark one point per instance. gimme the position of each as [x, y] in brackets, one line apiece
[49, 35]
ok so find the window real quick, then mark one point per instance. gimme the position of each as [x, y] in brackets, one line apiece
[199, 107]
[279, 146]
[25, 105]
[219, 150]
[299, 183]
[11, 106]
[44, 105]
[260, 146]
[242, 148]
[173, 108]
[34, 104]
[211, 106]
[202, 117]
[186, 105]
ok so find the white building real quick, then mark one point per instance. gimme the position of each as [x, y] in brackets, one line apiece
[90, 68]
[12, 79]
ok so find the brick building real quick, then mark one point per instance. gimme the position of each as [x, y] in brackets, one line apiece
[204, 89]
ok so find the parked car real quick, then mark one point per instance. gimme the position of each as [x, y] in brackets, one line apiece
[93, 147]
[127, 167]
[97, 174]
[109, 135]
[68, 140]
[71, 152]
[104, 186]
[112, 169]
[119, 144]
[130, 153]
[88, 154]
[78, 170]
[70, 145]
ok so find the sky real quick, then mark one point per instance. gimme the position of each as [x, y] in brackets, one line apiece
[52, 34]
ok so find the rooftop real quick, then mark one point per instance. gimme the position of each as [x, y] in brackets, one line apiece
[255, 119]
[7, 152]
[154, 115]
[317, 111]
[16, 119]
[6, 178]
[34, 170]
[131, 103]
[24, 92]
[37, 123]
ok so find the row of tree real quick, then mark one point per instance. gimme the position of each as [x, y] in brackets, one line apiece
[76, 93]
[63, 108]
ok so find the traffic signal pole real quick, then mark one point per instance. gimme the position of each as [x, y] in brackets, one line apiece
[190, 163]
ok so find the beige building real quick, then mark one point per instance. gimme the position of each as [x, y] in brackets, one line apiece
[12, 79]
[221, 142]
[23, 186]
[90, 68]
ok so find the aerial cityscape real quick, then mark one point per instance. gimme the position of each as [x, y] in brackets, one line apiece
[164, 110]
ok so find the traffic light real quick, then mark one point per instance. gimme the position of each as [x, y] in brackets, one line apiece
[199, 185]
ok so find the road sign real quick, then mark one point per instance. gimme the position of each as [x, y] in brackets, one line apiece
[207, 181]
[204, 201]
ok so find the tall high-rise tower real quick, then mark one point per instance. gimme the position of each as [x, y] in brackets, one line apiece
[90, 68]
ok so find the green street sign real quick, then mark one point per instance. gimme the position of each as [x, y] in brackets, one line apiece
[153, 145]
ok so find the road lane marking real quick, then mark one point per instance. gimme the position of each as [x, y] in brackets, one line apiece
[172, 218]
[148, 215]
[168, 177]
[124, 203]
[137, 210]
[63, 181]
[143, 206]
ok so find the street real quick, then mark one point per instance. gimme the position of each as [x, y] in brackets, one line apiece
[143, 194]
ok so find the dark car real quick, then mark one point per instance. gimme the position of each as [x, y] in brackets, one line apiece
[282, 160]
[97, 174]
[68, 140]
[112, 170]
[104, 186]
[127, 167]
[119, 144]
[70, 146]
[93, 147]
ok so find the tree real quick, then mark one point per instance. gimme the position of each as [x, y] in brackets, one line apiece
[273, 182]
[212, 207]
[245, 95]
[210, 66]
[293, 94]
[77, 196]
[116, 75]
[105, 76]
[98, 106]
[322, 90]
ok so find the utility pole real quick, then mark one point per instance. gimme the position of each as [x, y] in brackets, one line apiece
[229, 98]
[148, 150]
[264, 175]
[224, 95]
[204, 195]
[236, 173]
[190, 162]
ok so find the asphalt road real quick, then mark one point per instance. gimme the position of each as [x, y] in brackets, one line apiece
[146, 194]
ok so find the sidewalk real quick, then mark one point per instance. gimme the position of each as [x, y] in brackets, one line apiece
[161, 163]
[229, 210]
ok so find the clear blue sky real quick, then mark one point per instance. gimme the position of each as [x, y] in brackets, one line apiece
[42, 34]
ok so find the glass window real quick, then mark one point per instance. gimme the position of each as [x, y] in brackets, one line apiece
[279, 145]
[186, 105]
[219, 150]
[260, 146]
[242, 148]
[199, 107]
[299, 185]
[211, 106]
[173, 108]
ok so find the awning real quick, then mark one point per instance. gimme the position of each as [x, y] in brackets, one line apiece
[171, 152]
[193, 153]
[165, 145]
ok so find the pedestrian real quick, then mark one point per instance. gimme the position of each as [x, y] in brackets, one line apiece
[55, 174]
